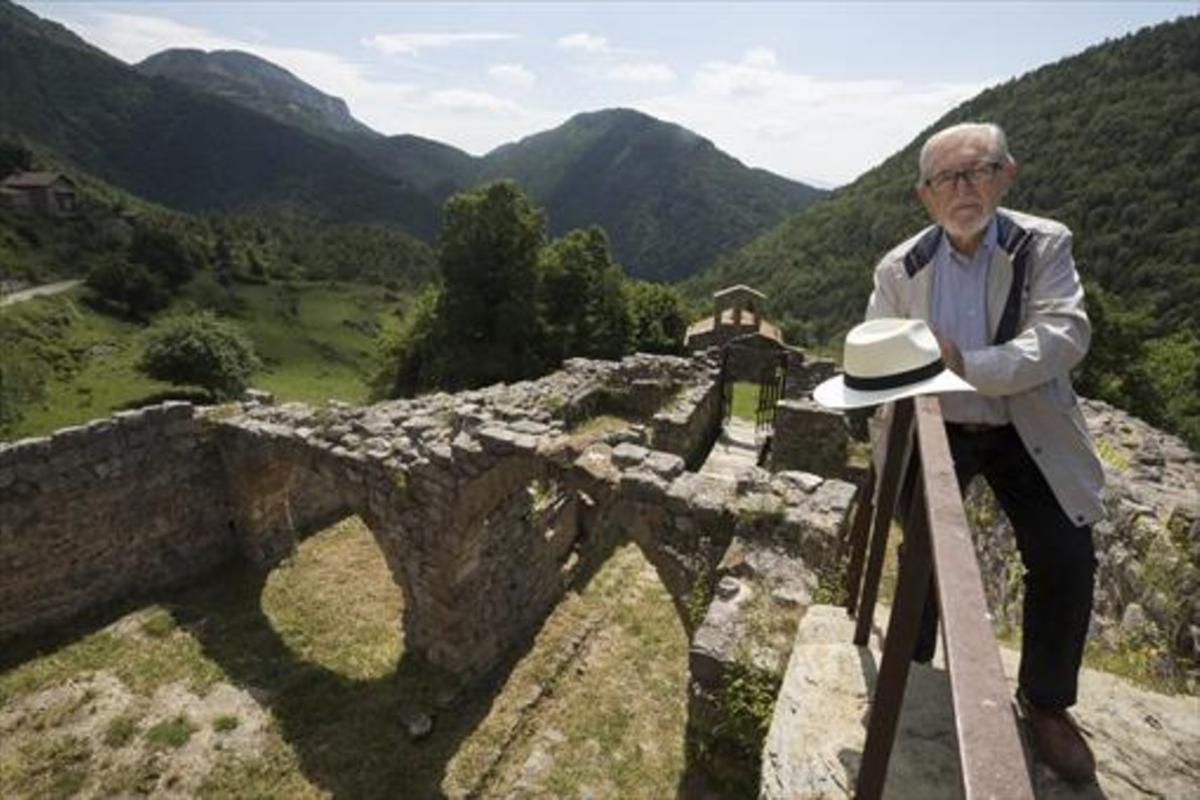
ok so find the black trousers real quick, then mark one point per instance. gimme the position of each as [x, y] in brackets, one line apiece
[1058, 556]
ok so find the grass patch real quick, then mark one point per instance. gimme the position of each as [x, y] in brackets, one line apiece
[1112, 454]
[159, 624]
[120, 731]
[47, 767]
[317, 340]
[612, 709]
[745, 400]
[319, 642]
[226, 723]
[354, 633]
[170, 734]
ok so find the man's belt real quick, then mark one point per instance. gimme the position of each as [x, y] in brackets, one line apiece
[973, 428]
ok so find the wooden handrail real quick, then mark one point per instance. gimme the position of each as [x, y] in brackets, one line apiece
[918, 472]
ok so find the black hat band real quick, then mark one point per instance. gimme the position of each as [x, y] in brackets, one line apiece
[894, 381]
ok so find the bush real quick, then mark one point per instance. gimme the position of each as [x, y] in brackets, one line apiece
[164, 253]
[199, 350]
[124, 284]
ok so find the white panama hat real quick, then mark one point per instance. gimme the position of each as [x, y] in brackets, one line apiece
[887, 359]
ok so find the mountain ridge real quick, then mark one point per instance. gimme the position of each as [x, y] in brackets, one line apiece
[230, 132]
[256, 83]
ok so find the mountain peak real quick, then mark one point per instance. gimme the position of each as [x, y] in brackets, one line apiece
[255, 83]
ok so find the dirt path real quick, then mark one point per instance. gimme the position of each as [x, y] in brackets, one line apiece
[44, 289]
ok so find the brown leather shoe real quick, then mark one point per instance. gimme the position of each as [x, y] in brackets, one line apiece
[1058, 742]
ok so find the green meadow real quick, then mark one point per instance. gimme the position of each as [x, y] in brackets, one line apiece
[317, 341]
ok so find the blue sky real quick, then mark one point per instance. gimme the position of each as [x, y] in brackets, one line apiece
[813, 91]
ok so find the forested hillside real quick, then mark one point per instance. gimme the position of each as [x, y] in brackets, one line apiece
[1108, 142]
[179, 146]
[670, 200]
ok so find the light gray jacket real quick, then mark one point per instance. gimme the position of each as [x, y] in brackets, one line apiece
[1039, 332]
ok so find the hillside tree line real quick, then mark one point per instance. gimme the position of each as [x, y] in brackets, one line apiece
[510, 304]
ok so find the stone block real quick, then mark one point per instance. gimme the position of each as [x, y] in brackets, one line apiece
[809, 438]
[642, 484]
[69, 438]
[178, 409]
[835, 496]
[130, 419]
[32, 447]
[629, 455]
[667, 465]
[806, 482]
[529, 426]
[496, 439]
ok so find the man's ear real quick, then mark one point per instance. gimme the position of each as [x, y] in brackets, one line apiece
[1010, 172]
[923, 194]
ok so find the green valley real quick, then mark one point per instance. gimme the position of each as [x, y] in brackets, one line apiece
[318, 342]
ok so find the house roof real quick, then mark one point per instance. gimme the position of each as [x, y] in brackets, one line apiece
[740, 289]
[34, 180]
[764, 328]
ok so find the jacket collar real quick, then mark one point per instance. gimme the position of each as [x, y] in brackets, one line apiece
[1009, 233]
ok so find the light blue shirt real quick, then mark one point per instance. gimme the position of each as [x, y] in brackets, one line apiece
[959, 313]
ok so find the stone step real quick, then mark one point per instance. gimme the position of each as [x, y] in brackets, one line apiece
[1146, 744]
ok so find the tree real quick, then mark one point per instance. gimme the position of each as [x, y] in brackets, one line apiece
[165, 253]
[14, 157]
[489, 250]
[659, 317]
[199, 350]
[511, 307]
[581, 303]
[410, 360]
[124, 284]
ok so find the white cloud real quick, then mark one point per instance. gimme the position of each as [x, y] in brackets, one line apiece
[388, 106]
[645, 72]
[761, 57]
[586, 42]
[515, 74]
[804, 125]
[471, 101]
[133, 37]
[411, 44]
[752, 107]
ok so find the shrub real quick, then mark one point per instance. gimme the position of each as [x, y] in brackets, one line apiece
[126, 284]
[199, 350]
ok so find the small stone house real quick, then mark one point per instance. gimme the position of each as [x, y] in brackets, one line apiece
[49, 193]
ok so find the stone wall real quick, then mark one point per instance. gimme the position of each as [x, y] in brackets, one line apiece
[1147, 591]
[115, 508]
[689, 425]
[809, 438]
[803, 375]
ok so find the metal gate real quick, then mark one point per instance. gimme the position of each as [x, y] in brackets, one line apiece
[739, 362]
[770, 389]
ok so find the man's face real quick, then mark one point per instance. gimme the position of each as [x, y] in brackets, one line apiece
[963, 205]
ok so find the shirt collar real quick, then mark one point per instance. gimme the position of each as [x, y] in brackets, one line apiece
[991, 237]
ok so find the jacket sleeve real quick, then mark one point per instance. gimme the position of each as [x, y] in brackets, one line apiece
[885, 297]
[1055, 334]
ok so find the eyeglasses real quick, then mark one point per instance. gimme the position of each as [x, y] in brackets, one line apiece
[946, 182]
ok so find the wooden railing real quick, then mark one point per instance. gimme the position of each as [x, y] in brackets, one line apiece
[917, 470]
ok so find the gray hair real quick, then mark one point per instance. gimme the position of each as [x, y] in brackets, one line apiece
[989, 131]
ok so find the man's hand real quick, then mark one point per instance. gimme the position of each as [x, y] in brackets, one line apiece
[951, 355]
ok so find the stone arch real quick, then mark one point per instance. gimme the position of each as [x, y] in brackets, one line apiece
[480, 560]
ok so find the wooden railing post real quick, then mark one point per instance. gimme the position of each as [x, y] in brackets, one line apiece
[899, 446]
[912, 587]
[917, 468]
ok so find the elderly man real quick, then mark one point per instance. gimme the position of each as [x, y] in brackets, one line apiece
[1000, 290]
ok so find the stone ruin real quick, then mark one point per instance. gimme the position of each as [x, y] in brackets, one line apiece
[490, 505]
[487, 505]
